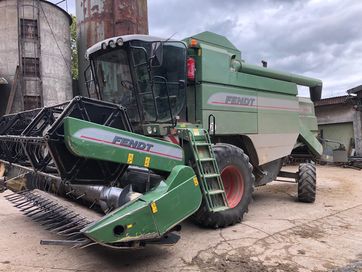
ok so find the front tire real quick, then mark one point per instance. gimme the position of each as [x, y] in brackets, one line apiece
[238, 180]
[307, 182]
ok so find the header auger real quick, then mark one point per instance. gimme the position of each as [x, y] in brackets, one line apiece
[173, 129]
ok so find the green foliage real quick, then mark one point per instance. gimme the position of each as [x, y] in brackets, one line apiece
[73, 47]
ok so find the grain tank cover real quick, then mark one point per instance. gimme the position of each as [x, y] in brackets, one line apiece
[214, 39]
[219, 49]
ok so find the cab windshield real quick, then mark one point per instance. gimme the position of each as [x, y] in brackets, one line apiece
[148, 78]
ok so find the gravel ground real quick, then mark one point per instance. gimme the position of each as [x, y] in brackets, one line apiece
[278, 234]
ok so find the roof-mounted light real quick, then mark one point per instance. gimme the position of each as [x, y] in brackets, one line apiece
[104, 46]
[112, 44]
[119, 41]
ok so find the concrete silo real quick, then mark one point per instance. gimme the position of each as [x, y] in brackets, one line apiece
[101, 19]
[35, 36]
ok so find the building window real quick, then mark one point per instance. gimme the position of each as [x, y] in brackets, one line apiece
[31, 67]
[29, 29]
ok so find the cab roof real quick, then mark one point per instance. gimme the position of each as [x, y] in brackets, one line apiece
[125, 38]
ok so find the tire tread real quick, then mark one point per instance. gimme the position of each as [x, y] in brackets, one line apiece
[235, 215]
[307, 182]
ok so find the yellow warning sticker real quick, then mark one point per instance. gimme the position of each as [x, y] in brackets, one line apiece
[196, 182]
[154, 207]
[129, 226]
[196, 132]
[147, 161]
[130, 158]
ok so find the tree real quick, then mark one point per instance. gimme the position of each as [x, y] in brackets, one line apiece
[73, 47]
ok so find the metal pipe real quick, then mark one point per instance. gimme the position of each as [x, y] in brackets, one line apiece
[315, 85]
[275, 74]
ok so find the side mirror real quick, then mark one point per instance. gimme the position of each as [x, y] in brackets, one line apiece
[156, 54]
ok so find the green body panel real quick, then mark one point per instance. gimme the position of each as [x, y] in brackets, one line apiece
[175, 199]
[248, 99]
[308, 126]
[307, 115]
[277, 113]
[90, 140]
[310, 139]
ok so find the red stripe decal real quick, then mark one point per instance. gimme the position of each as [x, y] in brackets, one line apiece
[128, 147]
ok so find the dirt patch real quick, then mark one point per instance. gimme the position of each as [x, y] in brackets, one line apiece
[238, 262]
[305, 232]
[353, 267]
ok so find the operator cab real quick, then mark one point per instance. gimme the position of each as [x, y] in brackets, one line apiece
[144, 74]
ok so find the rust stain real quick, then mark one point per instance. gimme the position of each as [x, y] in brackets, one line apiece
[103, 19]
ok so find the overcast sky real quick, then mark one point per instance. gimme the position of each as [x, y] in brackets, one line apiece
[318, 38]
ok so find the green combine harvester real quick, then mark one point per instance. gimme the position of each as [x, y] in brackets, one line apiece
[170, 130]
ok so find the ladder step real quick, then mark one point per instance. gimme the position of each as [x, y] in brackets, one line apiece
[210, 175]
[201, 144]
[220, 209]
[206, 159]
[215, 192]
[144, 93]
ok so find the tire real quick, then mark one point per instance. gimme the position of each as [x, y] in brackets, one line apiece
[238, 180]
[307, 182]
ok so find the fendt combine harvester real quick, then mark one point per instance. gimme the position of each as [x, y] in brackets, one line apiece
[171, 129]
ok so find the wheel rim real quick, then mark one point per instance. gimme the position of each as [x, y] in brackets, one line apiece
[2, 169]
[233, 185]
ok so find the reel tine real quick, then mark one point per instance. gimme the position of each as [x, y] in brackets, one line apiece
[56, 224]
[13, 196]
[44, 215]
[18, 200]
[91, 243]
[53, 216]
[43, 209]
[64, 227]
[29, 208]
[22, 204]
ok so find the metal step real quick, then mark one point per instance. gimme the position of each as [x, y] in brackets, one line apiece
[207, 159]
[210, 175]
[201, 144]
[215, 192]
[220, 209]
[200, 138]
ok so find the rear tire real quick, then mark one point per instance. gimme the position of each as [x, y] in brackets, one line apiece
[307, 182]
[238, 179]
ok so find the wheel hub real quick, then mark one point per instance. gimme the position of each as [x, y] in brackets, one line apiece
[233, 185]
